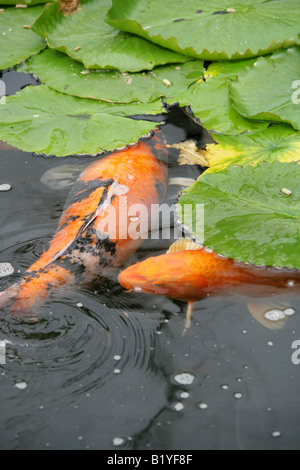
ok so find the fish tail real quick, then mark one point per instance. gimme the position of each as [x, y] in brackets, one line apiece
[36, 287]
[7, 295]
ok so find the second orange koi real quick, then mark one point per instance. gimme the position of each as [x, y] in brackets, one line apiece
[189, 272]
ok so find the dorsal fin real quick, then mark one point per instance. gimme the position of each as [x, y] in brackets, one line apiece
[184, 244]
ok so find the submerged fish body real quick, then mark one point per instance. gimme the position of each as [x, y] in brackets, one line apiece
[190, 272]
[92, 234]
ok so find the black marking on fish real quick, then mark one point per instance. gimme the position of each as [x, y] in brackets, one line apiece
[179, 19]
[82, 190]
[107, 245]
[76, 268]
[72, 218]
[199, 11]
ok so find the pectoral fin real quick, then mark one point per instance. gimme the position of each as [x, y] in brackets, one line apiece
[63, 176]
[270, 314]
[188, 317]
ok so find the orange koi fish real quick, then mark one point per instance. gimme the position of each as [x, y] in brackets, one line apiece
[189, 272]
[88, 241]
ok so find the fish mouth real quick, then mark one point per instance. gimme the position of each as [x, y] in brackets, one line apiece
[134, 282]
[128, 281]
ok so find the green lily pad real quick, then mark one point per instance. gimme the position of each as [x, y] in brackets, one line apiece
[247, 215]
[18, 42]
[39, 119]
[270, 88]
[215, 30]
[66, 75]
[85, 37]
[23, 2]
[277, 143]
[211, 102]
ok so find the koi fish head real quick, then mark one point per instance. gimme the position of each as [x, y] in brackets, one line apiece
[148, 276]
[171, 275]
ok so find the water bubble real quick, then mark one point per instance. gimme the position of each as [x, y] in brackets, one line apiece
[118, 441]
[276, 434]
[184, 395]
[178, 406]
[238, 395]
[274, 315]
[185, 378]
[117, 371]
[117, 357]
[289, 311]
[203, 406]
[21, 385]
[6, 269]
[79, 304]
[5, 187]
[134, 219]
[224, 387]
[35, 115]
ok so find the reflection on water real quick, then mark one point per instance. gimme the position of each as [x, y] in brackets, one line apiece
[105, 369]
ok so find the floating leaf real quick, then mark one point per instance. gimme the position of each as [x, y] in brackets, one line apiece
[270, 89]
[247, 215]
[18, 41]
[211, 102]
[190, 154]
[66, 75]
[85, 37]
[38, 119]
[277, 143]
[215, 30]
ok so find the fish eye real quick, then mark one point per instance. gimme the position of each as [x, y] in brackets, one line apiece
[157, 284]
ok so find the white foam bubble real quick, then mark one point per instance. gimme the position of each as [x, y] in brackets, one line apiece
[118, 441]
[178, 406]
[289, 311]
[5, 187]
[203, 406]
[6, 269]
[185, 378]
[274, 314]
[21, 385]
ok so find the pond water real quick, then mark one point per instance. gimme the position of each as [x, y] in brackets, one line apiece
[108, 369]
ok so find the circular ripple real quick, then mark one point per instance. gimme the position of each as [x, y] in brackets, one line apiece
[79, 343]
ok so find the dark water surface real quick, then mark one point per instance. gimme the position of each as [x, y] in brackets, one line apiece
[106, 369]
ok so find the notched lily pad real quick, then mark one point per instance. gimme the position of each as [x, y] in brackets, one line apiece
[214, 30]
[277, 143]
[18, 41]
[85, 37]
[248, 216]
[38, 119]
[270, 88]
[211, 102]
[66, 75]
